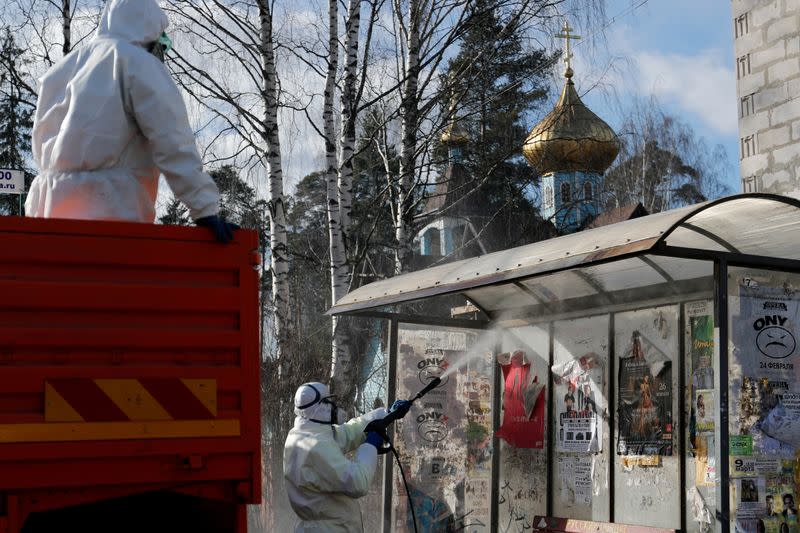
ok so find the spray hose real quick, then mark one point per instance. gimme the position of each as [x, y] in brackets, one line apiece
[380, 427]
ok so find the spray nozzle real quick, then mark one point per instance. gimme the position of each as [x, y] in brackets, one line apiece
[429, 387]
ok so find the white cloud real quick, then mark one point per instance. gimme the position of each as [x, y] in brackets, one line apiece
[701, 84]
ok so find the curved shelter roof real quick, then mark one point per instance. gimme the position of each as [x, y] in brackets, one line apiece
[643, 251]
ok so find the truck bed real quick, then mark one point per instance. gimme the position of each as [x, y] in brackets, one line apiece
[129, 363]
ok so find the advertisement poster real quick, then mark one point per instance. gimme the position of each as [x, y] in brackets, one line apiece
[645, 400]
[445, 440]
[523, 402]
[575, 473]
[783, 421]
[765, 351]
[780, 509]
[704, 411]
[579, 404]
[750, 497]
[701, 334]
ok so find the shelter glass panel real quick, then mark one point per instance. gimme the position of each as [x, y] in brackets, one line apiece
[764, 399]
[647, 480]
[580, 418]
[700, 401]
[445, 442]
[523, 443]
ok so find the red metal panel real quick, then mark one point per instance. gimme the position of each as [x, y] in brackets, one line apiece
[552, 524]
[86, 301]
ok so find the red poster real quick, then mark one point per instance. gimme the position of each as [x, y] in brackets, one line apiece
[521, 427]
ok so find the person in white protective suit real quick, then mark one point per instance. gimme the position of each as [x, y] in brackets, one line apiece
[321, 482]
[109, 120]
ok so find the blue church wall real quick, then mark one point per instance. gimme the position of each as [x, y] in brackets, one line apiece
[564, 198]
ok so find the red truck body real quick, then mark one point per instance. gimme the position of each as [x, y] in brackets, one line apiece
[129, 377]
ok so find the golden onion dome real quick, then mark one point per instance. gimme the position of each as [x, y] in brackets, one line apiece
[571, 137]
[454, 135]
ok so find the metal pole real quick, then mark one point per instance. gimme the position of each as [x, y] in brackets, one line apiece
[497, 402]
[721, 446]
[391, 392]
[611, 394]
[682, 433]
[550, 414]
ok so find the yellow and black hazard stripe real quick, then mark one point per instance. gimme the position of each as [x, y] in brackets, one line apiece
[82, 409]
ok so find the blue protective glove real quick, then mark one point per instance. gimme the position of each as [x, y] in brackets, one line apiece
[374, 438]
[401, 407]
[222, 229]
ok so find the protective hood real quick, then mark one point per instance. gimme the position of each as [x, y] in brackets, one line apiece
[135, 21]
[313, 402]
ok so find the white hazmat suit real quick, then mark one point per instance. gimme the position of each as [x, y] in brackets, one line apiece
[323, 484]
[109, 119]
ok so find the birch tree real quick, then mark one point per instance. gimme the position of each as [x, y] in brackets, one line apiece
[344, 369]
[236, 87]
[663, 164]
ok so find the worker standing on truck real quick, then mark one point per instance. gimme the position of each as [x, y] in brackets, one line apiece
[109, 120]
[321, 482]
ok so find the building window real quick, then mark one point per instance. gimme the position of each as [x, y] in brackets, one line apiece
[741, 25]
[750, 184]
[748, 146]
[548, 196]
[566, 193]
[742, 66]
[746, 106]
[432, 242]
[587, 192]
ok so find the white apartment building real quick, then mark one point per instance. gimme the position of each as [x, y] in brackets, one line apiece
[767, 47]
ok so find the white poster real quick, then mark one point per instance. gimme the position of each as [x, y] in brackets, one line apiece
[750, 497]
[764, 366]
[575, 473]
[579, 404]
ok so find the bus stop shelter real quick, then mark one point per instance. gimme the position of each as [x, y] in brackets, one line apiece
[639, 373]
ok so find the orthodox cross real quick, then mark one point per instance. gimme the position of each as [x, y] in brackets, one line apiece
[567, 35]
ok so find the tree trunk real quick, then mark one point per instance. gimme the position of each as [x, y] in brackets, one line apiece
[341, 359]
[410, 113]
[279, 266]
[66, 27]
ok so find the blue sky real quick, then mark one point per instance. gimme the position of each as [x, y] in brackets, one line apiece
[679, 50]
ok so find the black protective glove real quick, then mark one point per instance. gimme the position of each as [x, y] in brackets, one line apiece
[374, 438]
[222, 229]
[401, 407]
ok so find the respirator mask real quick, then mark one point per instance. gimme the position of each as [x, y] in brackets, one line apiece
[161, 47]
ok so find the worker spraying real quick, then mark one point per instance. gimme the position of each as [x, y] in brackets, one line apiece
[109, 120]
[321, 482]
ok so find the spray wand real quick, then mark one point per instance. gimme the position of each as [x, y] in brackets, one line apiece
[380, 426]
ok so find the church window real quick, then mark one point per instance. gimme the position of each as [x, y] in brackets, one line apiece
[587, 191]
[548, 196]
[566, 193]
[432, 242]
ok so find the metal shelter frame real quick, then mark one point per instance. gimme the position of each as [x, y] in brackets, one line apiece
[748, 230]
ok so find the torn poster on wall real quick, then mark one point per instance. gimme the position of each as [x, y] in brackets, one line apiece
[579, 404]
[645, 400]
[523, 402]
[575, 473]
[765, 357]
